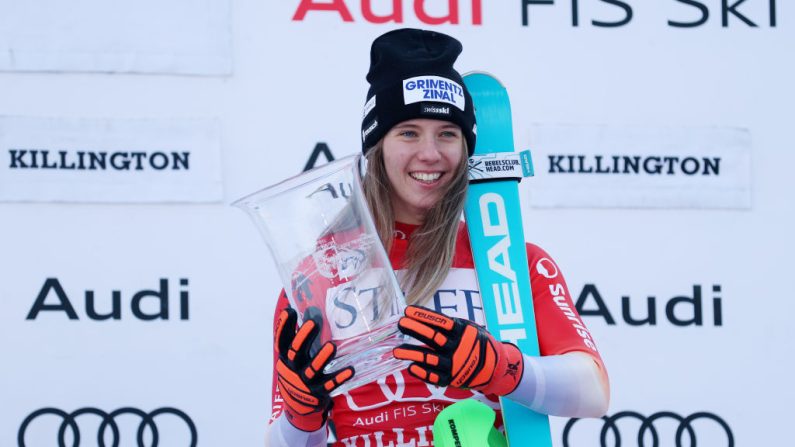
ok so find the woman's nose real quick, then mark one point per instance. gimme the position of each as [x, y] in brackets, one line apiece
[429, 150]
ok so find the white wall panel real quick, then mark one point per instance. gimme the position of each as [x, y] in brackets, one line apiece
[297, 83]
[142, 36]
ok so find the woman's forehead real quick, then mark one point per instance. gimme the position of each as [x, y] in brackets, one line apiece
[427, 123]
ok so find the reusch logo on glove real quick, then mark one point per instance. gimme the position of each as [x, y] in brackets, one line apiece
[430, 317]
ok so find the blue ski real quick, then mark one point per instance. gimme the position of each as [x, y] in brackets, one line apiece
[494, 219]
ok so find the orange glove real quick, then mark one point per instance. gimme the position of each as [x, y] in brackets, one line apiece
[303, 385]
[459, 353]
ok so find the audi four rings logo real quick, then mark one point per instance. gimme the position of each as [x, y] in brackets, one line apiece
[647, 427]
[108, 421]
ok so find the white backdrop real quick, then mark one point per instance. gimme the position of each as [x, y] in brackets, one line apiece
[296, 83]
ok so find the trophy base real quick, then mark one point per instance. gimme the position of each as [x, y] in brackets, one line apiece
[370, 355]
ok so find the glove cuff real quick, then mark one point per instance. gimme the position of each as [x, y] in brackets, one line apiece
[508, 372]
[308, 423]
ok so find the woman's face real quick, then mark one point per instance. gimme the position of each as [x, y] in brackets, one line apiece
[421, 157]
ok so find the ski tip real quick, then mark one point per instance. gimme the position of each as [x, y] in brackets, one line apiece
[484, 75]
[467, 423]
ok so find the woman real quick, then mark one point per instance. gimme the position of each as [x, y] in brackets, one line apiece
[418, 129]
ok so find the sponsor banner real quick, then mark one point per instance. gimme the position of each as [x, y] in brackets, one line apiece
[697, 305]
[643, 167]
[542, 14]
[110, 161]
[121, 36]
[170, 300]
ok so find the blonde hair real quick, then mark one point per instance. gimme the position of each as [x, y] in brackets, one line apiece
[432, 246]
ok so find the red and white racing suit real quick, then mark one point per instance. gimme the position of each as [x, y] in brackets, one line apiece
[399, 410]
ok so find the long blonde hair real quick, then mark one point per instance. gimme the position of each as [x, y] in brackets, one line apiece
[432, 246]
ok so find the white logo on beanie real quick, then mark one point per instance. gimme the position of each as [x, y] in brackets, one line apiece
[369, 130]
[369, 106]
[434, 89]
[436, 110]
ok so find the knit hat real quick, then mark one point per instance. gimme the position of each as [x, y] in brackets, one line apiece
[412, 76]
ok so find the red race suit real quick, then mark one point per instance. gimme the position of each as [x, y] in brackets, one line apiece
[399, 410]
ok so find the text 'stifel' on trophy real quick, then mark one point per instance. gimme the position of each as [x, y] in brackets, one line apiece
[325, 245]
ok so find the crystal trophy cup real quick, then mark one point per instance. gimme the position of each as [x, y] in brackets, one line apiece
[332, 263]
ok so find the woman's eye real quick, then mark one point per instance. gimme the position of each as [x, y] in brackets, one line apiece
[449, 134]
[408, 133]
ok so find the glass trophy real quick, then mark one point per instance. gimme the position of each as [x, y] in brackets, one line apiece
[331, 261]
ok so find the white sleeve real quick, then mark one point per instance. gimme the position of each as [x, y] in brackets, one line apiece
[571, 385]
[282, 433]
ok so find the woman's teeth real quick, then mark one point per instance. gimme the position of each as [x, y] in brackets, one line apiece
[425, 176]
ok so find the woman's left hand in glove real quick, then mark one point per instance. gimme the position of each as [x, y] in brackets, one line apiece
[458, 353]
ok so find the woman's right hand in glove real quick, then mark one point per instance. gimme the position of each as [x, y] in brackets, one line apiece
[302, 383]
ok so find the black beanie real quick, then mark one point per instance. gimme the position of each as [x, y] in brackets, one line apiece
[412, 76]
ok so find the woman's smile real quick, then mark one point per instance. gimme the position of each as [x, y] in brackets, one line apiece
[427, 178]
